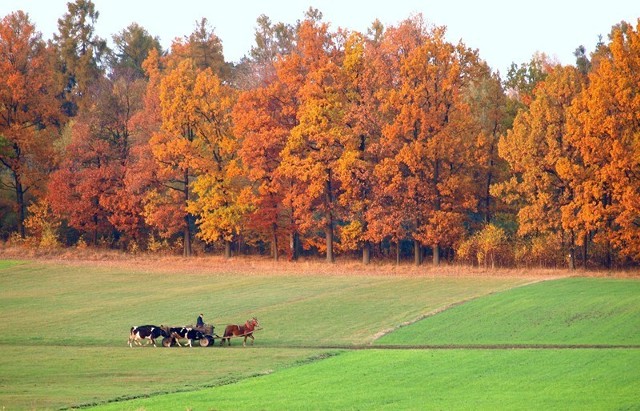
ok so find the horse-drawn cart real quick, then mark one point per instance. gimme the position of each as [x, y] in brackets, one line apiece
[204, 335]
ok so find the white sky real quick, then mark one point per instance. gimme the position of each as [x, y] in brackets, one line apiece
[504, 31]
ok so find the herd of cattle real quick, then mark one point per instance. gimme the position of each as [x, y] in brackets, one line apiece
[203, 333]
[174, 334]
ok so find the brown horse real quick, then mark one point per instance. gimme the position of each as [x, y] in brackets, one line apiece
[246, 330]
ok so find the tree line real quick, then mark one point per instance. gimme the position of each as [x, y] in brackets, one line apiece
[389, 143]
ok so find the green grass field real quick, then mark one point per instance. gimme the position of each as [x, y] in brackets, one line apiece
[431, 379]
[64, 330]
[572, 311]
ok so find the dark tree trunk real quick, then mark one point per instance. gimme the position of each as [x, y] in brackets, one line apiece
[186, 252]
[417, 252]
[21, 206]
[329, 237]
[436, 255]
[366, 253]
[227, 249]
[572, 253]
[329, 216]
[274, 242]
[584, 251]
[293, 246]
[94, 235]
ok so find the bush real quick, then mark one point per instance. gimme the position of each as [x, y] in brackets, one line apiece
[488, 245]
[43, 226]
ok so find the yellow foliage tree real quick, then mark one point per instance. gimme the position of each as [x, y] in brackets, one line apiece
[537, 150]
[219, 201]
[43, 224]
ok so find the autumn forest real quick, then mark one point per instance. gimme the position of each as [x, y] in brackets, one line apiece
[394, 144]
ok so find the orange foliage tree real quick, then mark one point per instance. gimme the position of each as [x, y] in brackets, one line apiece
[29, 111]
[487, 105]
[174, 150]
[264, 117]
[83, 178]
[428, 144]
[604, 126]
[363, 78]
[89, 187]
[316, 142]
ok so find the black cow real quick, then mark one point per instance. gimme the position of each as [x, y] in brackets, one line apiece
[146, 332]
[187, 333]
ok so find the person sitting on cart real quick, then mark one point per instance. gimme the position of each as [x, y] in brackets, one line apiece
[200, 321]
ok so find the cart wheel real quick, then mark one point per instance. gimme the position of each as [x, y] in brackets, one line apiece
[167, 341]
[205, 342]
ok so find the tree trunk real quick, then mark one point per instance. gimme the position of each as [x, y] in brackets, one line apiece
[398, 253]
[274, 243]
[487, 195]
[94, 235]
[227, 249]
[436, 255]
[584, 251]
[21, 207]
[329, 216]
[186, 252]
[417, 252]
[329, 237]
[572, 253]
[293, 246]
[366, 253]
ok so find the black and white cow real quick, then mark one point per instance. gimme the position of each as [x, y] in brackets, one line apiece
[146, 332]
[186, 333]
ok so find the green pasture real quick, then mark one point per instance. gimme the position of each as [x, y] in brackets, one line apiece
[64, 328]
[8, 263]
[431, 380]
[569, 315]
[571, 311]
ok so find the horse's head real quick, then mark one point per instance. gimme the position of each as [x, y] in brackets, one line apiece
[253, 322]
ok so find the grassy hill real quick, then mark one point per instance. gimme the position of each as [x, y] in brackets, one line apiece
[64, 325]
[571, 311]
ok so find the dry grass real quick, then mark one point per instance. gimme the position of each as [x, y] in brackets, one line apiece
[256, 265]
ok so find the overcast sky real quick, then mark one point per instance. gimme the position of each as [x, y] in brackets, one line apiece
[503, 31]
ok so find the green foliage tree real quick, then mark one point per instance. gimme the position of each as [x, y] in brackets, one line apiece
[132, 46]
[81, 53]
